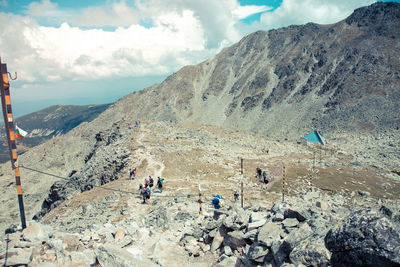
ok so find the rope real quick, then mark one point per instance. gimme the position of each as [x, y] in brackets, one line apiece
[105, 188]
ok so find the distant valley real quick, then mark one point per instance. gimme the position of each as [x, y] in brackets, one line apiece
[49, 122]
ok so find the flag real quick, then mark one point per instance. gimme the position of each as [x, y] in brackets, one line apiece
[19, 133]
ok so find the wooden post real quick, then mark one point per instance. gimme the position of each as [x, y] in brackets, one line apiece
[241, 166]
[283, 183]
[10, 129]
[200, 202]
[241, 187]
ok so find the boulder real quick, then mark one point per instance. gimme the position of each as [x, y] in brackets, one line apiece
[235, 239]
[71, 243]
[257, 253]
[256, 216]
[36, 232]
[255, 225]
[290, 222]
[300, 214]
[228, 251]
[217, 241]
[227, 262]
[251, 235]
[364, 238]
[310, 253]
[268, 233]
[110, 256]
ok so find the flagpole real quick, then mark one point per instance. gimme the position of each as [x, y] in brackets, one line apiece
[9, 124]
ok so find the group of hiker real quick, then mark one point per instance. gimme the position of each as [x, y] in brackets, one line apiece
[145, 190]
[262, 174]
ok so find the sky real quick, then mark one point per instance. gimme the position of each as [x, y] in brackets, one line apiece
[96, 51]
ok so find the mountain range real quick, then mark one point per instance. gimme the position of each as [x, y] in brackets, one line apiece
[252, 101]
[47, 123]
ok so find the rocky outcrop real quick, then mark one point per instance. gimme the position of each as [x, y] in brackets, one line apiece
[106, 159]
[365, 238]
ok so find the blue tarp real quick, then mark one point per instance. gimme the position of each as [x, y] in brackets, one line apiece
[315, 137]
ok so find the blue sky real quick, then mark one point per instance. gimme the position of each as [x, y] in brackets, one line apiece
[96, 51]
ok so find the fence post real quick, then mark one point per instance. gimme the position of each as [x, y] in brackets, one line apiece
[10, 129]
[283, 183]
[200, 202]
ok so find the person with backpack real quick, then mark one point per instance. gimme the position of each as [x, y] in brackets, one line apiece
[132, 173]
[259, 172]
[160, 182]
[217, 202]
[151, 182]
[146, 182]
[147, 193]
[265, 177]
[142, 193]
[235, 195]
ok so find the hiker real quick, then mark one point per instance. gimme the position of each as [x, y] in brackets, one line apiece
[147, 193]
[235, 195]
[160, 182]
[264, 174]
[142, 193]
[146, 182]
[132, 173]
[151, 182]
[217, 202]
[259, 171]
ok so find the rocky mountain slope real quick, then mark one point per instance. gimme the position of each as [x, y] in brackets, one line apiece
[47, 123]
[284, 82]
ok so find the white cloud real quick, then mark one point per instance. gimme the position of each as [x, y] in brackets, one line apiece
[117, 14]
[242, 12]
[304, 11]
[182, 32]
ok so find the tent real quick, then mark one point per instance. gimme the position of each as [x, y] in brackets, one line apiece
[315, 137]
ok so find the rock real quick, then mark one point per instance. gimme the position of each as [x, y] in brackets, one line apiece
[251, 235]
[386, 211]
[228, 262]
[290, 222]
[322, 205]
[119, 234]
[193, 248]
[256, 216]
[219, 213]
[300, 214]
[363, 193]
[364, 238]
[294, 237]
[235, 239]
[278, 217]
[279, 207]
[255, 225]
[71, 243]
[17, 257]
[310, 253]
[197, 233]
[110, 256]
[84, 258]
[228, 251]
[217, 241]
[36, 232]
[257, 253]
[268, 233]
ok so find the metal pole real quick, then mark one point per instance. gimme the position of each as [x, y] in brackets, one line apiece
[9, 124]
[241, 166]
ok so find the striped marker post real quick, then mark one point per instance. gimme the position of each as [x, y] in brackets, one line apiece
[283, 183]
[9, 124]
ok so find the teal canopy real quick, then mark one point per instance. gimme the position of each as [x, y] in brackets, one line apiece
[315, 137]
